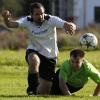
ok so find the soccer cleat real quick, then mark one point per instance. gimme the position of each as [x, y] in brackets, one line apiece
[32, 83]
[30, 92]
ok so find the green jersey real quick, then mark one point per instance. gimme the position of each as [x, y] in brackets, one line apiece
[80, 77]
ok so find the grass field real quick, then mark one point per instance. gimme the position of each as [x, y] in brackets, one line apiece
[13, 77]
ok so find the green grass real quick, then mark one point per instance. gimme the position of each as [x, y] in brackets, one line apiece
[13, 77]
[12, 58]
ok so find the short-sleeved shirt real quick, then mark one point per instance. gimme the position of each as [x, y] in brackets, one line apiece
[43, 39]
[80, 77]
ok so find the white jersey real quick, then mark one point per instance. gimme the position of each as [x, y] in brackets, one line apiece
[43, 38]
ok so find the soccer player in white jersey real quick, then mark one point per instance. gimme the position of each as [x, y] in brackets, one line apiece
[41, 53]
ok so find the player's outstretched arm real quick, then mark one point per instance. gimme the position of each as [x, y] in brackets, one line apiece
[97, 90]
[63, 87]
[69, 28]
[7, 19]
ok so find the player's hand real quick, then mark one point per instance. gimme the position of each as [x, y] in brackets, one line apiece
[72, 94]
[91, 95]
[6, 14]
[69, 28]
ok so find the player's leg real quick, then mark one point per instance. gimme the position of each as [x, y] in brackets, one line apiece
[55, 90]
[44, 86]
[33, 71]
[46, 72]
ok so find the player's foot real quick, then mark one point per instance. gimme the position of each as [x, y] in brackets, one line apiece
[30, 92]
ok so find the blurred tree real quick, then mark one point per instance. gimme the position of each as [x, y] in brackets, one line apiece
[22, 7]
[13, 5]
[25, 4]
[1, 5]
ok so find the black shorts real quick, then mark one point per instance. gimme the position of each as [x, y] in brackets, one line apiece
[47, 66]
[55, 90]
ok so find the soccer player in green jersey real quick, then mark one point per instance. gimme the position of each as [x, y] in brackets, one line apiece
[74, 74]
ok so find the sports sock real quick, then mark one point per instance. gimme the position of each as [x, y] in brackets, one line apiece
[33, 82]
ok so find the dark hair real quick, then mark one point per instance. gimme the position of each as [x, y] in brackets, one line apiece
[35, 5]
[77, 53]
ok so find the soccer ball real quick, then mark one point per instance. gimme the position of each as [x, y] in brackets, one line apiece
[88, 40]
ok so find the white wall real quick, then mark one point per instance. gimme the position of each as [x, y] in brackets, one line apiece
[90, 10]
[84, 12]
[78, 13]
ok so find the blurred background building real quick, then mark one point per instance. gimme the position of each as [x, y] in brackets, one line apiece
[82, 12]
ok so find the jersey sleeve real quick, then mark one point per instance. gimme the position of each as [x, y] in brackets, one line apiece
[22, 22]
[63, 72]
[93, 73]
[56, 21]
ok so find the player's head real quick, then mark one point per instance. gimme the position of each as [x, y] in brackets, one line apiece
[77, 58]
[37, 12]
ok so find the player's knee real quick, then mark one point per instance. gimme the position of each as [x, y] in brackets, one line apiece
[33, 59]
[34, 62]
